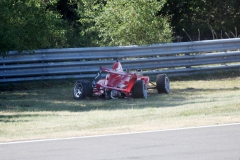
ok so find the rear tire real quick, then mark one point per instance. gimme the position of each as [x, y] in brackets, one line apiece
[82, 89]
[139, 89]
[163, 83]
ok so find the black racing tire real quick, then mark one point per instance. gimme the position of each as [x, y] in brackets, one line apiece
[82, 89]
[139, 89]
[163, 83]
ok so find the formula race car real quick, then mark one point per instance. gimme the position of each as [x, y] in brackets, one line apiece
[119, 84]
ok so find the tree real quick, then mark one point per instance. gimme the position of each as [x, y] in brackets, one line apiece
[203, 19]
[28, 25]
[80, 15]
[88, 10]
[129, 22]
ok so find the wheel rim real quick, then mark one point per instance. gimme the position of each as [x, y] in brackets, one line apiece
[167, 86]
[78, 90]
[114, 94]
[144, 91]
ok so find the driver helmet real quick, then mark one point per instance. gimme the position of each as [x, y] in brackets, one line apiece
[117, 66]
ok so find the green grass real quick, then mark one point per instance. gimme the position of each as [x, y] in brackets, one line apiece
[39, 110]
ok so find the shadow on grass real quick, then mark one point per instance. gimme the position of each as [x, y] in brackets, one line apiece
[40, 102]
[53, 103]
[17, 118]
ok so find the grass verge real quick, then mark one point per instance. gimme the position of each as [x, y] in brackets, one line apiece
[47, 110]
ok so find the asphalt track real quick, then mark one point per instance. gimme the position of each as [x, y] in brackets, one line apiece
[198, 143]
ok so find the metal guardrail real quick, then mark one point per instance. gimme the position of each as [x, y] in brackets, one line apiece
[172, 59]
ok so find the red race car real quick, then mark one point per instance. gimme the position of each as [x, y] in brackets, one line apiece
[119, 84]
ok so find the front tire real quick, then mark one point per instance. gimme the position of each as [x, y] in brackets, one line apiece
[163, 83]
[139, 89]
[82, 89]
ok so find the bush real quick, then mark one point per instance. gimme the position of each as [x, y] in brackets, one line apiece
[28, 25]
[132, 23]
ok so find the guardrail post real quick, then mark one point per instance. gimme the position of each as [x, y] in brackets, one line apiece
[188, 54]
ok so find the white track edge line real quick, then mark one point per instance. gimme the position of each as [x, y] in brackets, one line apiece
[117, 134]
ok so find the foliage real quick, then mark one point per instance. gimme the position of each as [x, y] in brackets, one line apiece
[27, 25]
[87, 11]
[34, 24]
[204, 19]
[132, 22]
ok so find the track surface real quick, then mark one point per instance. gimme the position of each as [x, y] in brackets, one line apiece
[212, 142]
